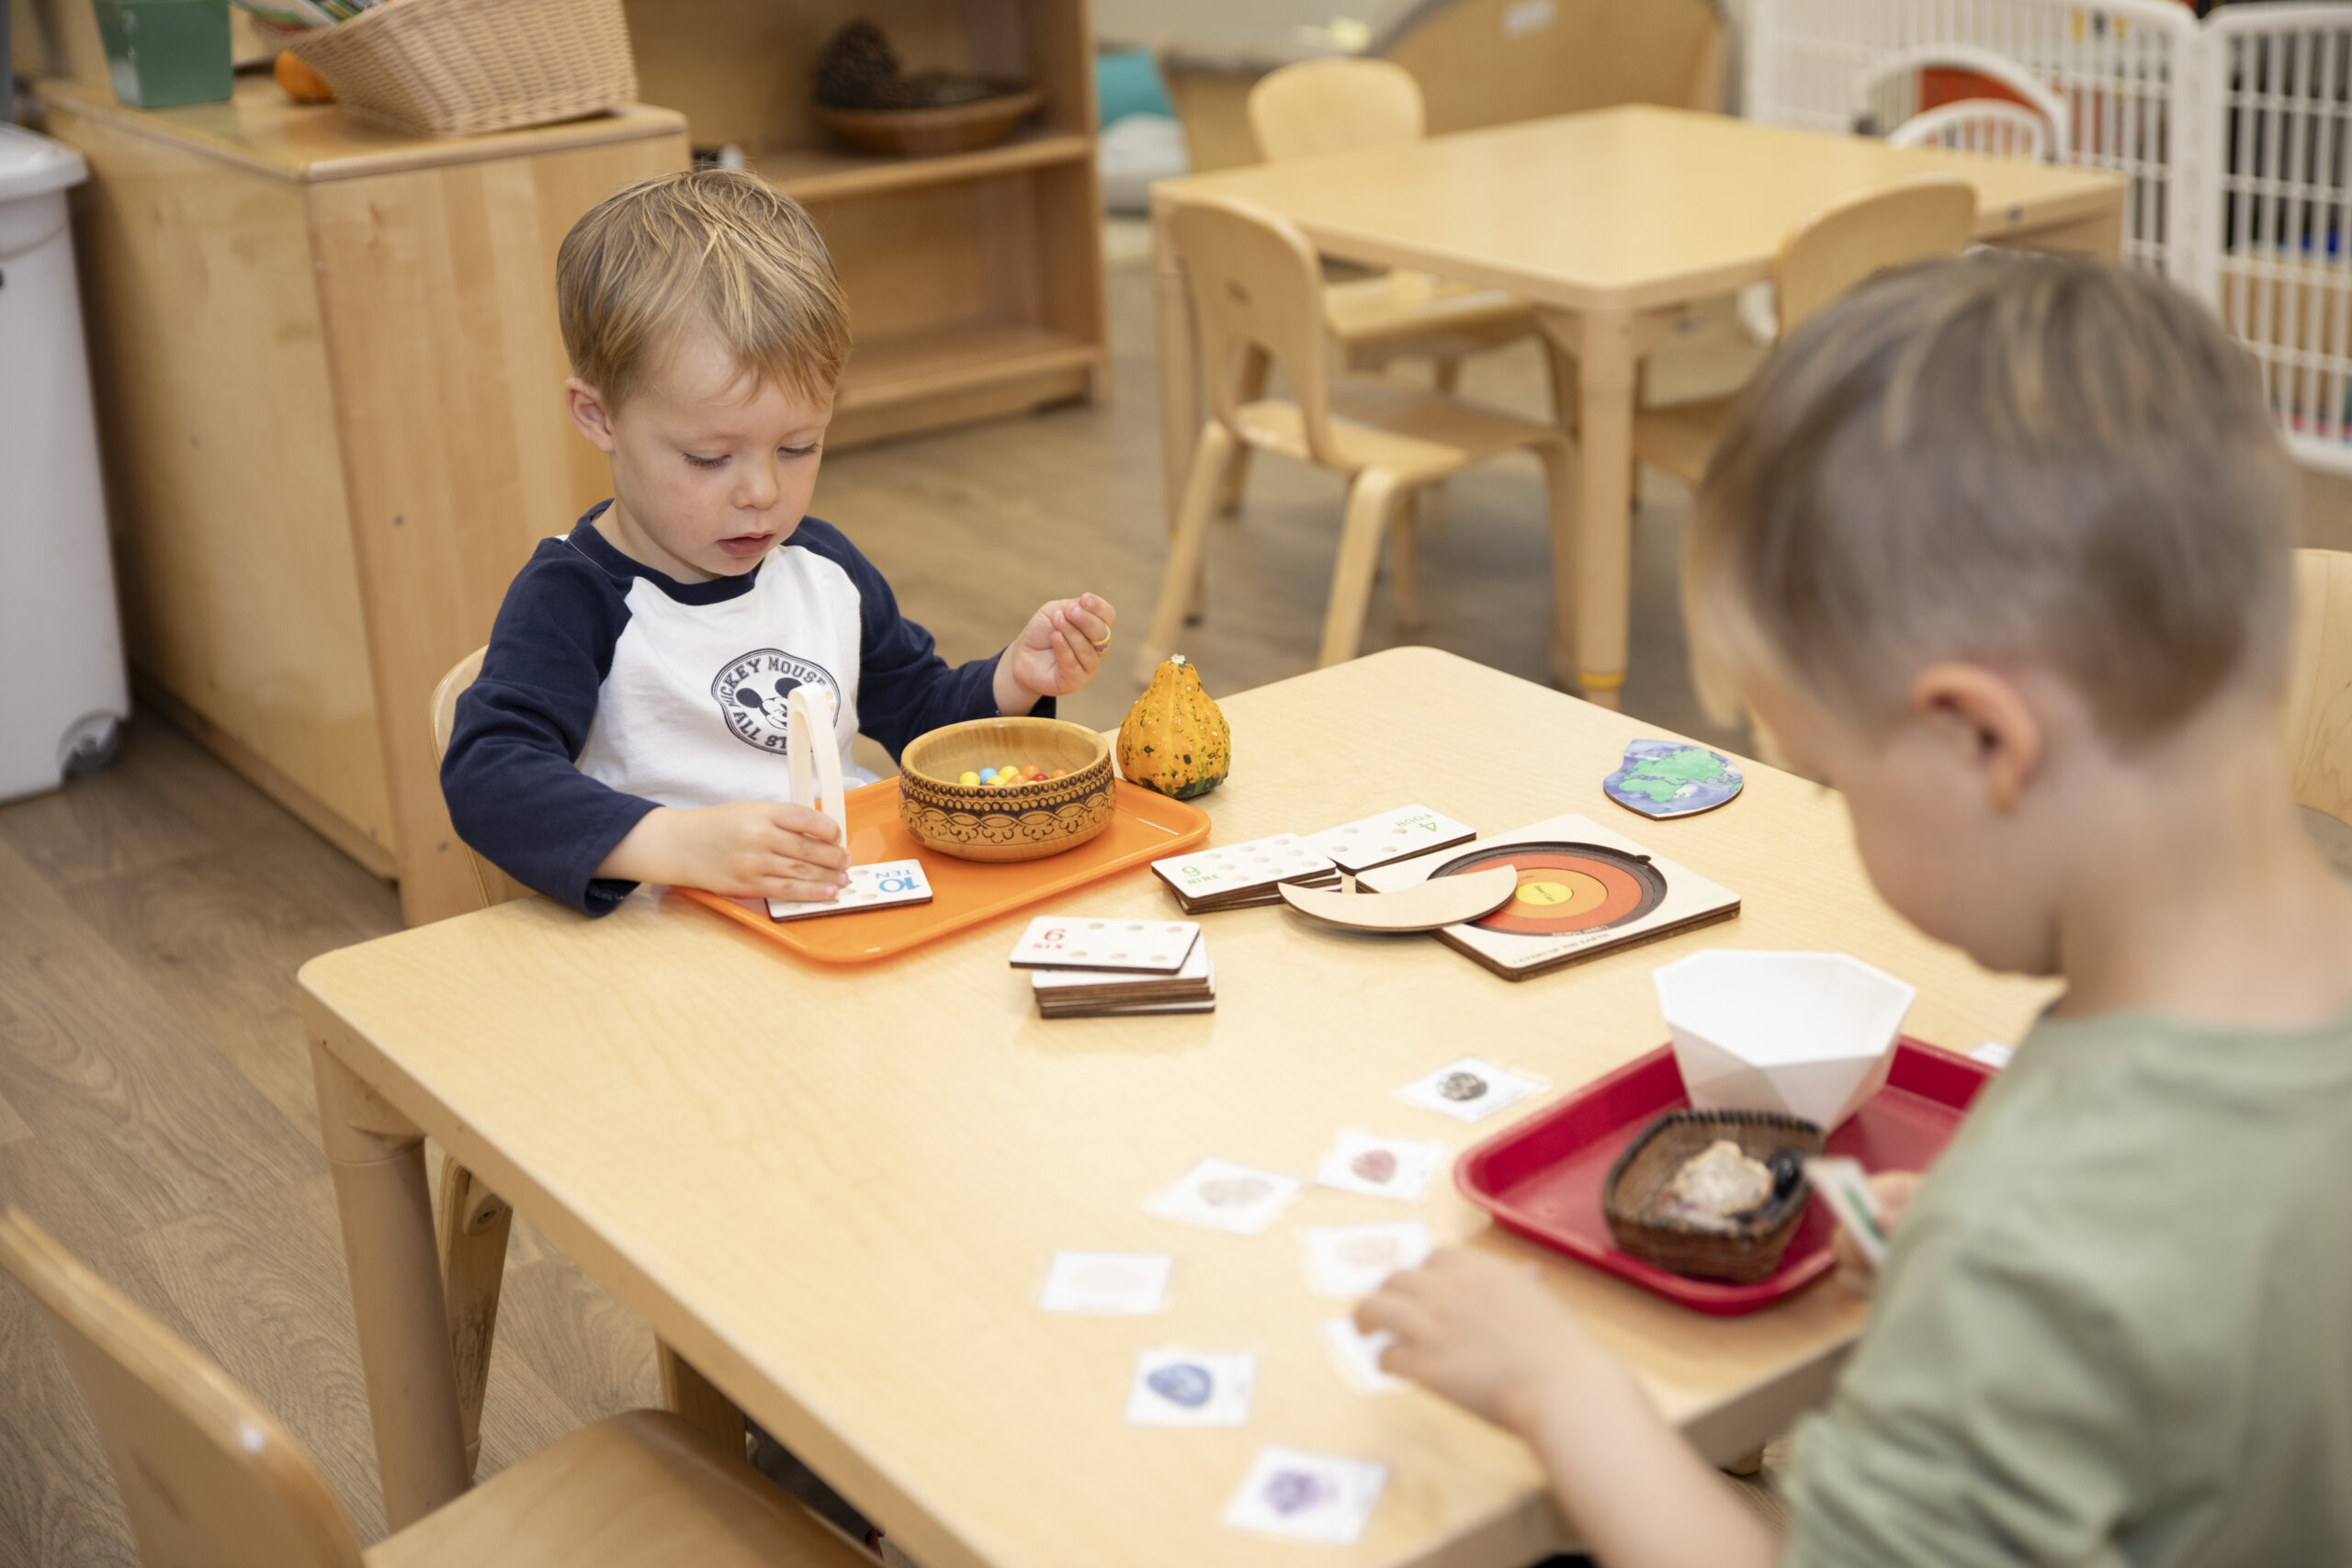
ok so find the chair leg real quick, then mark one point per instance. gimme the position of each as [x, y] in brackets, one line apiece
[1445, 373]
[696, 1399]
[1403, 563]
[1560, 368]
[1186, 551]
[474, 1224]
[1256, 365]
[1560, 492]
[1370, 500]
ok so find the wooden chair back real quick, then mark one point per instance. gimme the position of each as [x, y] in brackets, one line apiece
[2319, 691]
[495, 886]
[1483, 63]
[1833, 250]
[1256, 283]
[1334, 105]
[208, 1479]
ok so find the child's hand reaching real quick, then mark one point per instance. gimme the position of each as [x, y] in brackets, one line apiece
[1057, 652]
[747, 848]
[1479, 1331]
[1894, 1190]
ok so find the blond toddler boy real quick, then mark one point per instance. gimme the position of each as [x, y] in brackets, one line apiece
[629, 723]
[1999, 549]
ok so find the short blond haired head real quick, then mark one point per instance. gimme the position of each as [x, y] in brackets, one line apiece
[1996, 458]
[717, 247]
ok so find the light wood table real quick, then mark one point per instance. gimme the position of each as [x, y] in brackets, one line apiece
[1613, 223]
[836, 1192]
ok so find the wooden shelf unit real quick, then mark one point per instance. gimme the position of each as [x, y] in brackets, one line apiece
[975, 278]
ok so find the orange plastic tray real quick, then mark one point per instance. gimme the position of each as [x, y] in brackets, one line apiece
[1144, 827]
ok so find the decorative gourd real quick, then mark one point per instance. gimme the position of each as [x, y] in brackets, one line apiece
[1174, 740]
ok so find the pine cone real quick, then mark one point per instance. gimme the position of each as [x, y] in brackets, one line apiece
[858, 70]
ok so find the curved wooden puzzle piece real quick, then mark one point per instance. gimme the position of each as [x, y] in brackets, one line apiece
[1424, 907]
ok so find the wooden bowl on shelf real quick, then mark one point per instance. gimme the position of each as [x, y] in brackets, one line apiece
[992, 823]
[1632, 1196]
[964, 127]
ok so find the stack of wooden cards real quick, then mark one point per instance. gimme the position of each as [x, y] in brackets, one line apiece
[1085, 968]
[1242, 876]
[1390, 837]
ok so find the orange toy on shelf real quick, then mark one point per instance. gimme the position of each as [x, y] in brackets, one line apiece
[298, 82]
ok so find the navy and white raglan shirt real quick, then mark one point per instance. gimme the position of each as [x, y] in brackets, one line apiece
[672, 694]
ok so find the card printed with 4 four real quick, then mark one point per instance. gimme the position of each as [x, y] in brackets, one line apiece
[1191, 1388]
[1224, 1196]
[1391, 835]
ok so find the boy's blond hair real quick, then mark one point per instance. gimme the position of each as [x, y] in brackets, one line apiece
[712, 245]
[2000, 457]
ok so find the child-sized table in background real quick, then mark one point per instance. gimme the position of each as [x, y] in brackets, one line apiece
[1612, 224]
[837, 1191]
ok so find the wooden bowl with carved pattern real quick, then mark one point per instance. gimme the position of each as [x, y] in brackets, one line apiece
[1006, 822]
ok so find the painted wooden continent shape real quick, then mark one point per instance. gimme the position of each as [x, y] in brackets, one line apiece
[1424, 907]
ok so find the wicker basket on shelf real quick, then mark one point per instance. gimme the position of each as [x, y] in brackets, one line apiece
[464, 67]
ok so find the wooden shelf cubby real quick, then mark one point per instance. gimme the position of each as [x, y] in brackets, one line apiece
[974, 278]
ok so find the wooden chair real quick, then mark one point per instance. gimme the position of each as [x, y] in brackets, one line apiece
[212, 1480]
[474, 1224]
[1257, 289]
[1346, 106]
[2319, 693]
[1821, 259]
[2008, 109]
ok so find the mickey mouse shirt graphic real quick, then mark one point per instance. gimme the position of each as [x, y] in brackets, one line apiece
[673, 694]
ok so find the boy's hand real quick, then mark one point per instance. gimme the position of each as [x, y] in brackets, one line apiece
[748, 848]
[1481, 1332]
[1894, 1190]
[1057, 652]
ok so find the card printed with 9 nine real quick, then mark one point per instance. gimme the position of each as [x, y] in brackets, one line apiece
[1224, 1196]
[1470, 1089]
[1302, 1497]
[1076, 942]
[1108, 1284]
[1353, 1260]
[1380, 1168]
[885, 885]
[1191, 1388]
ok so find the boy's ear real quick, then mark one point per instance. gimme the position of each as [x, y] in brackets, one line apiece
[1985, 720]
[586, 405]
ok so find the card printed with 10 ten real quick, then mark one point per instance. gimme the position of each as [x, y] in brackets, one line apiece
[883, 885]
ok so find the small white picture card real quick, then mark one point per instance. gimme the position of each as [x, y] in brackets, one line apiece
[1191, 1388]
[1236, 868]
[881, 885]
[1470, 1089]
[1074, 941]
[1391, 835]
[1303, 1497]
[1352, 1261]
[1380, 1168]
[1358, 1356]
[1227, 1197]
[1195, 969]
[1108, 1284]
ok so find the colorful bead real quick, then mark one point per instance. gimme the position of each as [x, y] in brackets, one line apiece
[969, 780]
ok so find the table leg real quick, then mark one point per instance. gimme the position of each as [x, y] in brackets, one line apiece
[698, 1400]
[475, 1224]
[1589, 638]
[1180, 376]
[377, 1159]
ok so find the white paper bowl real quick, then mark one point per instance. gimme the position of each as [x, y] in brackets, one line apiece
[1808, 1033]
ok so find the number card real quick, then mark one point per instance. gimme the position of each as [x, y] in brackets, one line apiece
[1391, 835]
[885, 885]
[1073, 942]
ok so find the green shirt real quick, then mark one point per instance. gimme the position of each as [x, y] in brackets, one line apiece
[2116, 1326]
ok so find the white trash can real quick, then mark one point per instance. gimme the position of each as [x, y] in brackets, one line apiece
[62, 685]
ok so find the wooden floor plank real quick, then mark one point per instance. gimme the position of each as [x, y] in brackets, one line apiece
[153, 1122]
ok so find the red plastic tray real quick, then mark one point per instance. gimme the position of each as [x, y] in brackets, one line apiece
[1542, 1177]
[1144, 827]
